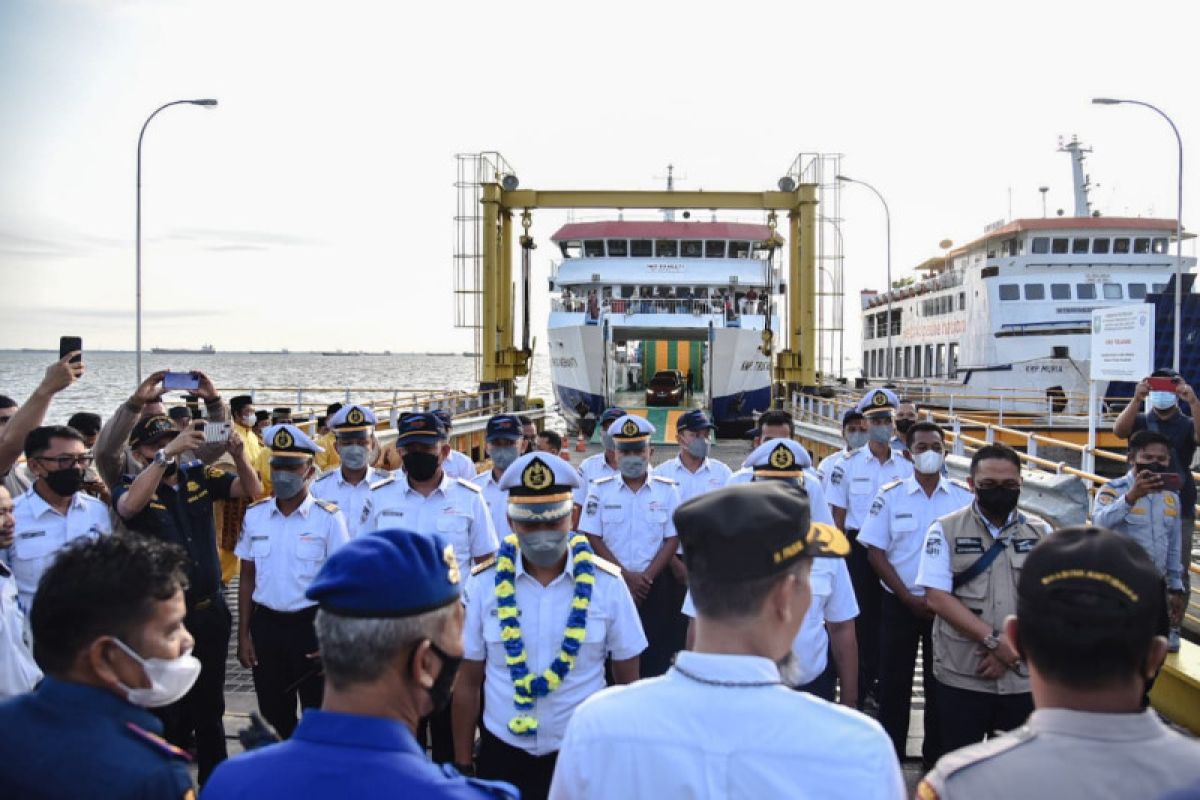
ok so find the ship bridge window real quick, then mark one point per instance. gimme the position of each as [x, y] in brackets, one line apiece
[1012, 247]
[1079, 245]
[668, 248]
[1058, 246]
[962, 301]
[593, 248]
[1085, 291]
[618, 247]
[1010, 291]
[1112, 291]
[1100, 246]
[1159, 246]
[1137, 291]
[1121, 246]
[693, 248]
[762, 250]
[1041, 245]
[739, 249]
[1159, 288]
[1141, 245]
[714, 249]
[641, 248]
[1035, 291]
[572, 249]
[1060, 291]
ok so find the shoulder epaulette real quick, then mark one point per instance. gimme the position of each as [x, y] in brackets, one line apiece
[470, 485]
[973, 754]
[484, 565]
[259, 502]
[960, 484]
[328, 474]
[605, 479]
[607, 566]
[157, 742]
[325, 505]
[887, 487]
[664, 479]
[381, 483]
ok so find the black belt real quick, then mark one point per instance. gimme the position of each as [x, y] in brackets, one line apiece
[259, 608]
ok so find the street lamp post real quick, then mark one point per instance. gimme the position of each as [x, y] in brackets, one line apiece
[888, 217]
[1113, 101]
[138, 245]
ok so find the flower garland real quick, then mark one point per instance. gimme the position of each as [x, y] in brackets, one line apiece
[526, 685]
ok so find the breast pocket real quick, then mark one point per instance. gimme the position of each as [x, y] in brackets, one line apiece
[595, 639]
[612, 516]
[492, 639]
[453, 526]
[37, 546]
[657, 519]
[260, 547]
[860, 487]
[310, 554]
[1134, 518]
[906, 524]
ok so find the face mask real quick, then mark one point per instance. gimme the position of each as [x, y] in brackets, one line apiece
[998, 500]
[420, 466]
[880, 433]
[249, 420]
[855, 439]
[503, 457]
[1151, 467]
[698, 448]
[354, 456]
[928, 462]
[286, 485]
[632, 466]
[1163, 400]
[170, 678]
[64, 482]
[439, 693]
[902, 425]
[543, 548]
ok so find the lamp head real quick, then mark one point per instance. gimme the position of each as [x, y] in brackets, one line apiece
[1106, 101]
[509, 182]
[843, 178]
[204, 102]
[786, 184]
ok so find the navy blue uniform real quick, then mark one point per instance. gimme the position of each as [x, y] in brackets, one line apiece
[67, 740]
[345, 755]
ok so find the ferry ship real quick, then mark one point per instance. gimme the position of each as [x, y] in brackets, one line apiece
[1005, 320]
[636, 299]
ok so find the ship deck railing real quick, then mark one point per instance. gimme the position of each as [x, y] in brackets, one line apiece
[698, 307]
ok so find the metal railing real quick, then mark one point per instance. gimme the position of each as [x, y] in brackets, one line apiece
[637, 305]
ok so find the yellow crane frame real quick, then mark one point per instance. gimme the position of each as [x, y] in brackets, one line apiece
[502, 363]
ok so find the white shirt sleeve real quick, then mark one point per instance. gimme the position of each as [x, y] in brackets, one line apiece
[818, 505]
[934, 571]
[672, 504]
[841, 605]
[876, 529]
[483, 531]
[589, 520]
[474, 648]
[339, 534]
[625, 637]
[838, 481]
[689, 608]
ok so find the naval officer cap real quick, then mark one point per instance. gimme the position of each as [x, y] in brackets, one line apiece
[540, 487]
[778, 458]
[630, 432]
[752, 530]
[877, 403]
[503, 427]
[694, 420]
[151, 429]
[420, 428]
[352, 419]
[286, 441]
[388, 573]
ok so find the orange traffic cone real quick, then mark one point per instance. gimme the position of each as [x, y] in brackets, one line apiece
[565, 455]
[580, 447]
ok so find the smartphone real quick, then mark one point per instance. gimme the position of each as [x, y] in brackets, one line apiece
[1171, 481]
[70, 344]
[217, 431]
[181, 381]
[1161, 384]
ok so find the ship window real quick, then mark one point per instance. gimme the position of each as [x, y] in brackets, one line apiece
[593, 248]
[962, 300]
[666, 247]
[1159, 246]
[739, 249]
[693, 248]
[1060, 291]
[1112, 291]
[1100, 246]
[1079, 245]
[1141, 246]
[1058, 246]
[714, 249]
[1041, 244]
[1012, 247]
[618, 247]
[572, 249]
[1085, 291]
[1120, 245]
[1010, 291]
[1035, 291]
[1137, 291]
[1159, 288]
[640, 248]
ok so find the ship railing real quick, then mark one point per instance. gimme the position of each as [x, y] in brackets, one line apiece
[1013, 400]
[658, 305]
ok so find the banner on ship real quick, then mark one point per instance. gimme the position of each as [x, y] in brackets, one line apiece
[1122, 343]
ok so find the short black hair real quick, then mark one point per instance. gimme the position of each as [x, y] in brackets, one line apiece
[85, 422]
[7, 402]
[553, 438]
[524, 420]
[37, 441]
[102, 587]
[1000, 451]
[851, 416]
[924, 426]
[1164, 372]
[1143, 439]
[236, 404]
[179, 412]
[777, 417]
[725, 600]
[332, 409]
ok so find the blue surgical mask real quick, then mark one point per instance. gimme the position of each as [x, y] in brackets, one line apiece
[632, 466]
[698, 447]
[544, 547]
[353, 456]
[855, 439]
[503, 457]
[880, 433]
[1163, 400]
[286, 485]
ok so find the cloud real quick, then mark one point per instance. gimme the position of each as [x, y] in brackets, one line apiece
[87, 313]
[48, 243]
[233, 239]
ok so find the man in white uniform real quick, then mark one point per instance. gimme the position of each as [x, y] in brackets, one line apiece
[458, 464]
[854, 433]
[349, 486]
[601, 465]
[505, 444]
[18, 671]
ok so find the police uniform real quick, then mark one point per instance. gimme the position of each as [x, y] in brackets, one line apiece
[900, 515]
[635, 526]
[182, 515]
[709, 476]
[41, 531]
[287, 550]
[971, 706]
[352, 499]
[392, 574]
[539, 487]
[19, 673]
[1153, 522]
[500, 428]
[458, 464]
[760, 738]
[595, 467]
[1092, 586]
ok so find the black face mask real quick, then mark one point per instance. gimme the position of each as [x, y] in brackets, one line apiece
[902, 425]
[420, 466]
[64, 482]
[998, 501]
[439, 693]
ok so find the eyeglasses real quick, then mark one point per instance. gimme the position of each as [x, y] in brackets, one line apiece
[66, 462]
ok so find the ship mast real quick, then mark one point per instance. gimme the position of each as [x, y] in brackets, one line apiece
[1081, 182]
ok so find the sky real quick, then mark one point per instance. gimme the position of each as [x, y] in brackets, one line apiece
[313, 208]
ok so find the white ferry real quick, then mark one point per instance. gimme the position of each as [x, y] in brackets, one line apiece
[636, 299]
[1008, 315]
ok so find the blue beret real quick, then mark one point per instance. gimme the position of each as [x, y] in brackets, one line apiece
[388, 573]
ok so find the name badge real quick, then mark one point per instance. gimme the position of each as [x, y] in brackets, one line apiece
[259, 538]
[1023, 545]
[968, 544]
[31, 534]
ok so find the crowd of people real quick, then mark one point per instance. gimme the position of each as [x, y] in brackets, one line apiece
[419, 628]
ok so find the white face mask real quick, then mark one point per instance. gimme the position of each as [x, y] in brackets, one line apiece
[249, 420]
[928, 462]
[170, 678]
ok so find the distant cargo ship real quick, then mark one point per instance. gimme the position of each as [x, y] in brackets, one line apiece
[205, 350]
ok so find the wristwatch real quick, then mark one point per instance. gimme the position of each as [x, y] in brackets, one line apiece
[161, 460]
[991, 642]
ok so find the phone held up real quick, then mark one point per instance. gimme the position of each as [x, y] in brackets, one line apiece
[1171, 482]
[217, 431]
[70, 344]
[181, 381]
[1161, 384]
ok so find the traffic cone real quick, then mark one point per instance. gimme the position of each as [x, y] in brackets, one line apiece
[565, 455]
[580, 447]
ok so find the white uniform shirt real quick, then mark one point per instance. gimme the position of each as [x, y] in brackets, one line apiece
[18, 671]
[288, 551]
[632, 525]
[711, 475]
[497, 502]
[818, 505]
[590, 469]
[613, 628]
[455, 509]
[41, 532]
[459, 465]
[832, 601]
[675, 737]
[934, 571]
[352, 499]
[854, 482]
[900, 517]
[825, 468]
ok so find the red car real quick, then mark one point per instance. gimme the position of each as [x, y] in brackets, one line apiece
[665, 388]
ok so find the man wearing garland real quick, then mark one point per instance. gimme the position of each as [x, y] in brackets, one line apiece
[541, 618]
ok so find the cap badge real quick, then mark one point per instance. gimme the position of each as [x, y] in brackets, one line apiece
[536, 476]
[355, 417]
[782, 458]
[283, 440]
[452, 573]
[830, 539]
[630, 428]
[879, 399]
